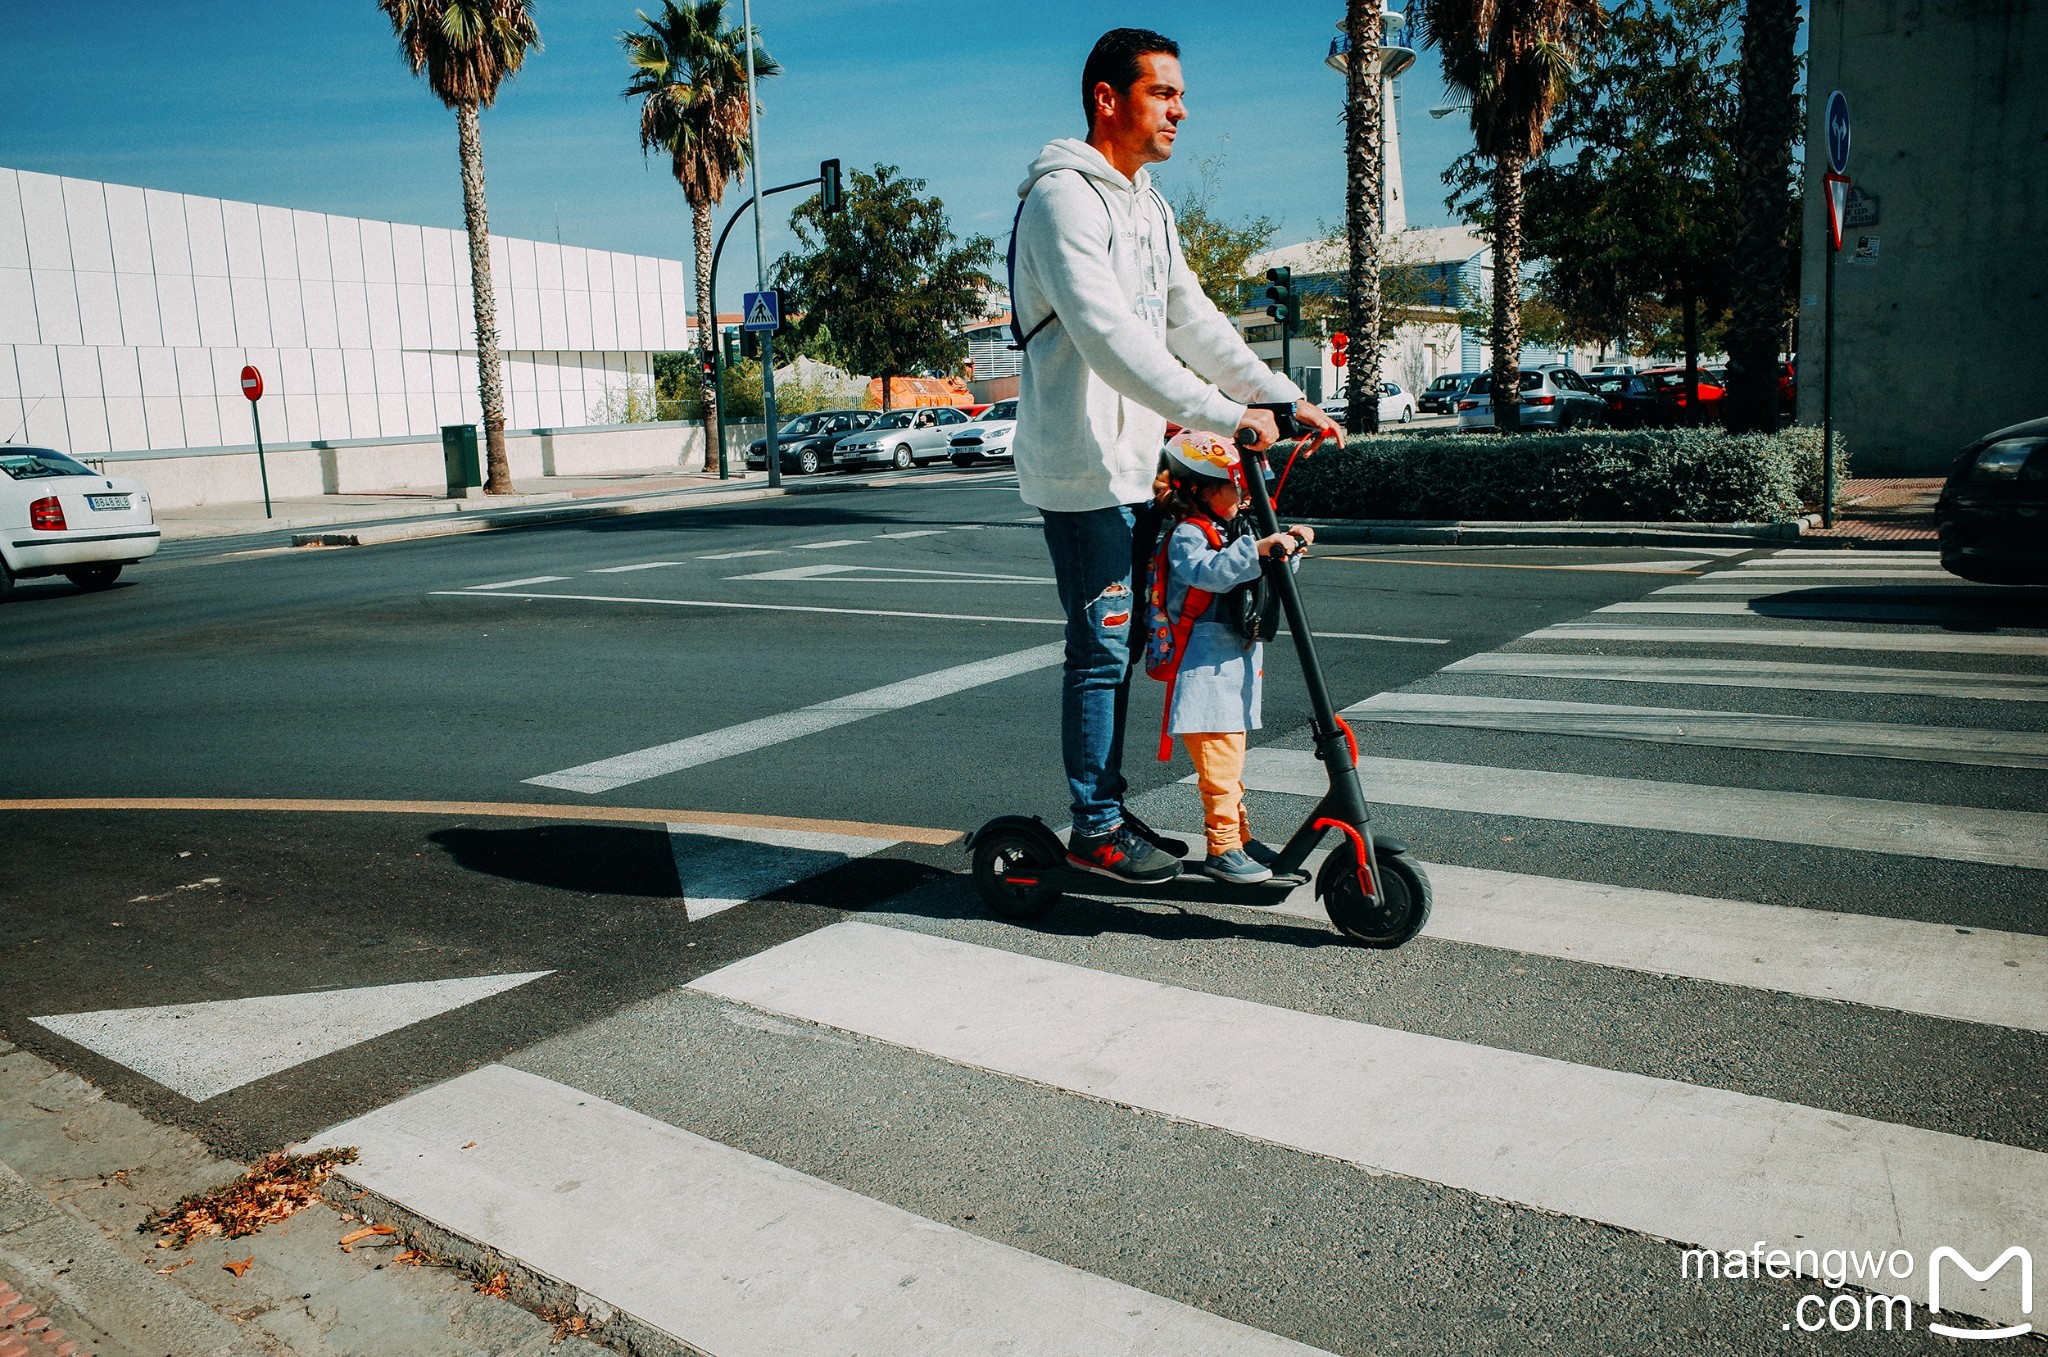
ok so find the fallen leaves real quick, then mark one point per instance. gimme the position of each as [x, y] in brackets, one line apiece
[279, 1186]
[358, 1236]
[410, 1258]
[496, 1286]
[167, 1271]
[239, 1268]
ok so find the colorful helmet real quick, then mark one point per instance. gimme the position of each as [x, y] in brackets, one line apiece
[1192, 455]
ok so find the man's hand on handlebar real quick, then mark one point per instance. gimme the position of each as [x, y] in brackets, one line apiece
[1316, 421]
[1262, 427]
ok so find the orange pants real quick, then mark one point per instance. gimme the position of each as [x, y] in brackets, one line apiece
[1219, 772]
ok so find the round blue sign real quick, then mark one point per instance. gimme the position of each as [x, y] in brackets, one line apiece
[1838, 132]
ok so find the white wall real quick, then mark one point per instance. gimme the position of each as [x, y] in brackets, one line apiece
[126, 315]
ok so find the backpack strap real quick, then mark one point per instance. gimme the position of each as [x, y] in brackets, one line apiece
[1017, 330]
[1192, 606]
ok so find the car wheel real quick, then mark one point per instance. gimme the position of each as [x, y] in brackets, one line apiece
[963, 460]
[93, 576]
[1407, 413]
[903, 460]
[807, 462]
[6, 581]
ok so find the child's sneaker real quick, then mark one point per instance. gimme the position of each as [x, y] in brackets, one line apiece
[1263, 854]
[1236, 868]
[1121, 856]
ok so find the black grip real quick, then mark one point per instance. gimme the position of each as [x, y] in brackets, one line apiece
[1283, 419]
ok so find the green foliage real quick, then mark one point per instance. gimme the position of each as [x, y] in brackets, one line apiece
[1216, 249]
[886, 277]
[690, 75]
[466, 48]
[633, 401]
[1661, 475]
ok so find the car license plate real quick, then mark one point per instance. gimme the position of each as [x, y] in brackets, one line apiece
[107, 501]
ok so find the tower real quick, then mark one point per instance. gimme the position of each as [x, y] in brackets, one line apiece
[1393, 58]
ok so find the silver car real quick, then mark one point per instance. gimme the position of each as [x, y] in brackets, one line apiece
[902, 438]
[987, 436]
[1553, 397]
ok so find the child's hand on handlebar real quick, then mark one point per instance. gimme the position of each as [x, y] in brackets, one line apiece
[1290, 542]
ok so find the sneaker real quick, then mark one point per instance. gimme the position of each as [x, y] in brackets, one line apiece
[1236, 868]
[1176, 847]
[1263, 854]
[1121, 855]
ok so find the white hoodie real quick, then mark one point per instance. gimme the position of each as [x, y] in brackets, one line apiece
[1101, 381]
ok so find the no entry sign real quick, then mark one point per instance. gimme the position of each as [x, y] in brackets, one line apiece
[252, 383]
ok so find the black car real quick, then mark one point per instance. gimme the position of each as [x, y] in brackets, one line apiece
[1993, 513]
[1440, 397]
[806, 442]
[1631, 403]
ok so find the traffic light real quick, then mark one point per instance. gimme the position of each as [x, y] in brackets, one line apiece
[1339, 343]
[750, 344]
[708, 363]
[1280, 297]
[732, 345]
[829, 198]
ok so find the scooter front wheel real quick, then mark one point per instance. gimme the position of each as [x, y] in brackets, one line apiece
[1010, 872]
[1385, 920]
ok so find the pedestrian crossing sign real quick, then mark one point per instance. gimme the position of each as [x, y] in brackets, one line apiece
[763, 311]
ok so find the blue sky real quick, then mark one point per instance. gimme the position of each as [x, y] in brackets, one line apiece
[308, 105]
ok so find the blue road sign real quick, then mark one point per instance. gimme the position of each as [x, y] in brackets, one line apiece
[1838, 132]
[763, 311]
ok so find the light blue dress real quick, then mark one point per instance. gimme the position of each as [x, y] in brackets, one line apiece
[1217, 687]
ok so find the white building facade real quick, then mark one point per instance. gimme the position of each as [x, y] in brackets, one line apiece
[126, 315]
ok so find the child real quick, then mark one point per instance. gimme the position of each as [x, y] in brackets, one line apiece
[1211, 665]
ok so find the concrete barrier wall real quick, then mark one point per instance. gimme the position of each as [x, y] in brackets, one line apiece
[203, 476]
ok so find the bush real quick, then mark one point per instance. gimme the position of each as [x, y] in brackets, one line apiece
[1649, 475]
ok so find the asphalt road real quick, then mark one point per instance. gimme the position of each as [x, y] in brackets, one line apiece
[430, 682]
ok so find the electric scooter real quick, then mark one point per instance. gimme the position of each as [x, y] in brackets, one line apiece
[1373, 893]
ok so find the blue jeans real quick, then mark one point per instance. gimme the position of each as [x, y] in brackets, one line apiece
[1096, 556]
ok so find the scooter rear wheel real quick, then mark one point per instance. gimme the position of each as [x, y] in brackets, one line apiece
[1009, 872]
[1387, 920]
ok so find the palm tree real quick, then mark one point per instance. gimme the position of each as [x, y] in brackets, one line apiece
[1364, 101]
[468, 48]
[1766, 126]
[690, 73]
[1510, 59]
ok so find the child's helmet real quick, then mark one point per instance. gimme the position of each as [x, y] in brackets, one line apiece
[1198, 458]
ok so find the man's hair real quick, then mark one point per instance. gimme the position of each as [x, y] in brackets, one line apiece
[1114, 62]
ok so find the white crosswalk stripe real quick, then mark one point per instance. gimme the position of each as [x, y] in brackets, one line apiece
[695, 1234]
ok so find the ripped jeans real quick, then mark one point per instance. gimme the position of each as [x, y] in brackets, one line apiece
[1096, 557]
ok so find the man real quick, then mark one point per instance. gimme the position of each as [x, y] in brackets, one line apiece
[1109, 312]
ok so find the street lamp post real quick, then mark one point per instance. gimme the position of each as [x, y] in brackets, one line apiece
[760, 256]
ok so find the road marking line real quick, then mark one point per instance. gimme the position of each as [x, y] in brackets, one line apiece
[514, 584]
[623, 770]
[722, 865]
[1639, 568]
[736, 555]
[822, 546]
[203, 1050]
[1374, 636]
[886, 574]
[899, 536]
[1956, 833]
[625, 569]
[737, 1255]
[1900, 557]
[516, 810]
[1837, 678]
[1773, 569]
[770, 607]
[1647, 567]
[1939, 643]
[1668, 1159]
[1721, 729]
[1878, 591]
[1819, 610]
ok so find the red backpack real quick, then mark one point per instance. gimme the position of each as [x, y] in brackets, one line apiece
[1166, 638]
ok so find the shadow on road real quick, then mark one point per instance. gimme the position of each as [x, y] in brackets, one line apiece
[588, 859]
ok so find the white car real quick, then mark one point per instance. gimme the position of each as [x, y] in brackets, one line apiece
[987, 437]
[1396, 405]
[60, 517]
[902, 438]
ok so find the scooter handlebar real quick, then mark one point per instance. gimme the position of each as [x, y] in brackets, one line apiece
[1283, 418]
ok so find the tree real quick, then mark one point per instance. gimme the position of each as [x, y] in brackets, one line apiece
[888, 278]
[1765, 283]
[1363, 174]
[468, 48]
[1511, 59]
[1217, 250]
[690, 75]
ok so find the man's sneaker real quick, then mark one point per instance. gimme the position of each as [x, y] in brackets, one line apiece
[1236, 868]
[1263, 854]
[1121, 855]
[1175, 847]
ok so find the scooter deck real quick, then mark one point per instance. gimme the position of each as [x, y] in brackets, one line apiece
[1191, 885]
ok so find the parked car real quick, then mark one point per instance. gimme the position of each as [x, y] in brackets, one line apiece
[903, 438]
[1631, 403]
[1440, 397]
[1668, 385]
[807, 442]
[986, 437]
[1553, 397]
[1612, 370]
[1993, 512]
[1396, 405]
[60, 517]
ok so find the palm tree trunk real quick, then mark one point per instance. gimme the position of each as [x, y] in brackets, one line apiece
[1765, 128]
[885, 391]
[1363, 103]
[1507, 293]
[707, 327]
[489, 379]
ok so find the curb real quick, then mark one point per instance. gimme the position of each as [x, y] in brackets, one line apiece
[378, 533]
[1357, 532]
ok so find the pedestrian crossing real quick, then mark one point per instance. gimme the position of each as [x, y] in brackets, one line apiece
[924, 1131]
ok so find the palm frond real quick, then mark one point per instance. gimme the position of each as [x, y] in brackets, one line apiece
[690, 74]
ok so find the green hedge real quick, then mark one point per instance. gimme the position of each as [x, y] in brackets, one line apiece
[1647, 475]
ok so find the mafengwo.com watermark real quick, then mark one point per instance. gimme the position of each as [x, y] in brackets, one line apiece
[1880, 1280]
